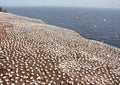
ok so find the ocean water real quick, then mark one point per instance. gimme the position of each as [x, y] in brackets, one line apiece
[97, 24]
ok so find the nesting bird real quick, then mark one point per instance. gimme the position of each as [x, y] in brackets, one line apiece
[34, 53]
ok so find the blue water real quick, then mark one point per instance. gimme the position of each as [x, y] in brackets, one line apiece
[97, 24]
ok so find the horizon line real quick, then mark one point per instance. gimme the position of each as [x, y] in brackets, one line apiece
[58, 7]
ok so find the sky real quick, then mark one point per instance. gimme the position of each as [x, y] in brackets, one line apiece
[62, 3]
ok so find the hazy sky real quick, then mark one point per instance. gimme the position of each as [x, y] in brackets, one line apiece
[63, 3]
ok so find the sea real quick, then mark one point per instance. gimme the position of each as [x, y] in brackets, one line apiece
[93, 23]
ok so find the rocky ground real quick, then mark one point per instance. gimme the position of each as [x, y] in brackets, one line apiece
[34, 53]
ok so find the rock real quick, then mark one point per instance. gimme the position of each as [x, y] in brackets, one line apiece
[32, 52]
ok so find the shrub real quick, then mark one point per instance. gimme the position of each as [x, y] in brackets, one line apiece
[2, 10]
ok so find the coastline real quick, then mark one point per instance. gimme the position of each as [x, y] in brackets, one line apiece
[24, 41]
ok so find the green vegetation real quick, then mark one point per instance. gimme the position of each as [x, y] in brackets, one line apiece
[2, 10]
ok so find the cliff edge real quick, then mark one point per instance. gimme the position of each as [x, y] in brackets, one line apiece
[34, 53]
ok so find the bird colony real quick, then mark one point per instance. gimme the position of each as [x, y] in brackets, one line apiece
[34, 53]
